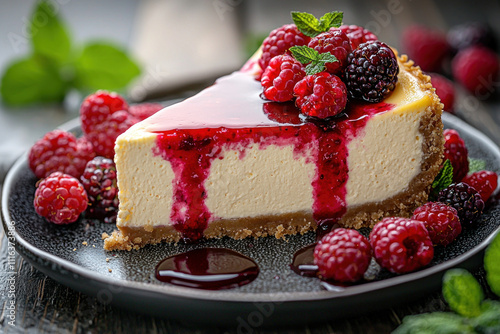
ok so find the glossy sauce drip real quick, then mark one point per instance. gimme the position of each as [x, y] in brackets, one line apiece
[303, 262]
[208, 269]
[190, 137]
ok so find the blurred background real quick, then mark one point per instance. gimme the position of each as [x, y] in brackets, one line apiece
[181, 46]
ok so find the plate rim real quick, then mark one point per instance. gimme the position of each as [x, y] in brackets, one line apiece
[235, 296]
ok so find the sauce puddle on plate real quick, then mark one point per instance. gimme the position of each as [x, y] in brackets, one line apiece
[208, 269]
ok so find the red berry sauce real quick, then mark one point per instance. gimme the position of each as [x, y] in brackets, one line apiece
[208, 268]
[230, 115]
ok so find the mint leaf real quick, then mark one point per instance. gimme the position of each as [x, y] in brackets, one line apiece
[332, 19]
[489, 320]
[49, 36]
[307, 23]
[104, 66]
[431, 323]
[492, 265]
[31, 80]
[476, 165]
[462, 292]
[442, 180]
[316, 61]
[304, 54]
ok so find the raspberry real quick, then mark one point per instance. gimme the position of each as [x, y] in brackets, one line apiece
[428, 48]
[357, 35]
[60, 198]
[485, 182]
[335, 42]
[372, 72]
[321, 95]
[342, 255]
[280, 76]
[441, 221]
[59, 151]
[104, 135]
[144, 110]
[99, 180]
[468, 34]
[401, 245]
[97, 107]
[476, 68]
[456, 152]
[465, 199]
[445, 90]
[279, 41]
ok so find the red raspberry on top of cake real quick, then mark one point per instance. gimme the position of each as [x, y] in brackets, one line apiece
[280, 76]
[279, 41]
[336, 43]
[357, 35]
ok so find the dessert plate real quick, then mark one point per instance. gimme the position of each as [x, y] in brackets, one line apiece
[74, 256]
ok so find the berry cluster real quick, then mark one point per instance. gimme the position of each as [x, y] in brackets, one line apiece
[402, 245]
[470, 47]
[78, 171]
[322, 68]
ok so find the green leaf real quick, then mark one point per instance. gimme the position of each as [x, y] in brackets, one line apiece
[307, 23]
[49, 35]
[316, 61]
[442, 180]
[319, 65]
[489, 320]
[476, 165]
[431, 323]
[304, 54]
[492, 265]
[104, 66]
[31, 80]
[462, 292]
[330, 20]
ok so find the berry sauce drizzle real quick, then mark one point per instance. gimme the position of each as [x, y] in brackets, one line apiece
[208, 268]
[230, 115]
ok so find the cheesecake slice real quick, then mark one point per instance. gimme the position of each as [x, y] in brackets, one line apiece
[225, 162]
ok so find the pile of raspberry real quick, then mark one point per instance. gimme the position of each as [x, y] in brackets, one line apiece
[78, 175]
[471, 50]
[403, 245]
[356, 66]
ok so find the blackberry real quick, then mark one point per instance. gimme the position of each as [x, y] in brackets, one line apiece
[99, 180]
[465, 199]
[469, 34]
[372, 72]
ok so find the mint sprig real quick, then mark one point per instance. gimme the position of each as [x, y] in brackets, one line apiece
[55, 65]
[492, 265]
[310, 26]
[316, 61]
[442, 180]
[462, 292]
[465, 296]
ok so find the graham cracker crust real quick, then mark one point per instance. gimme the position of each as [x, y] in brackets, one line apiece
[366, 215]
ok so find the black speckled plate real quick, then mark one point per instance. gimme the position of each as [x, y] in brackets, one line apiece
[74, 256]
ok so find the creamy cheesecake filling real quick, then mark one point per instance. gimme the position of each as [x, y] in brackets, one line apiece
[240, 191]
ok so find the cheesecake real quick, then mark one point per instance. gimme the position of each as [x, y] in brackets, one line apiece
[227, 163]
